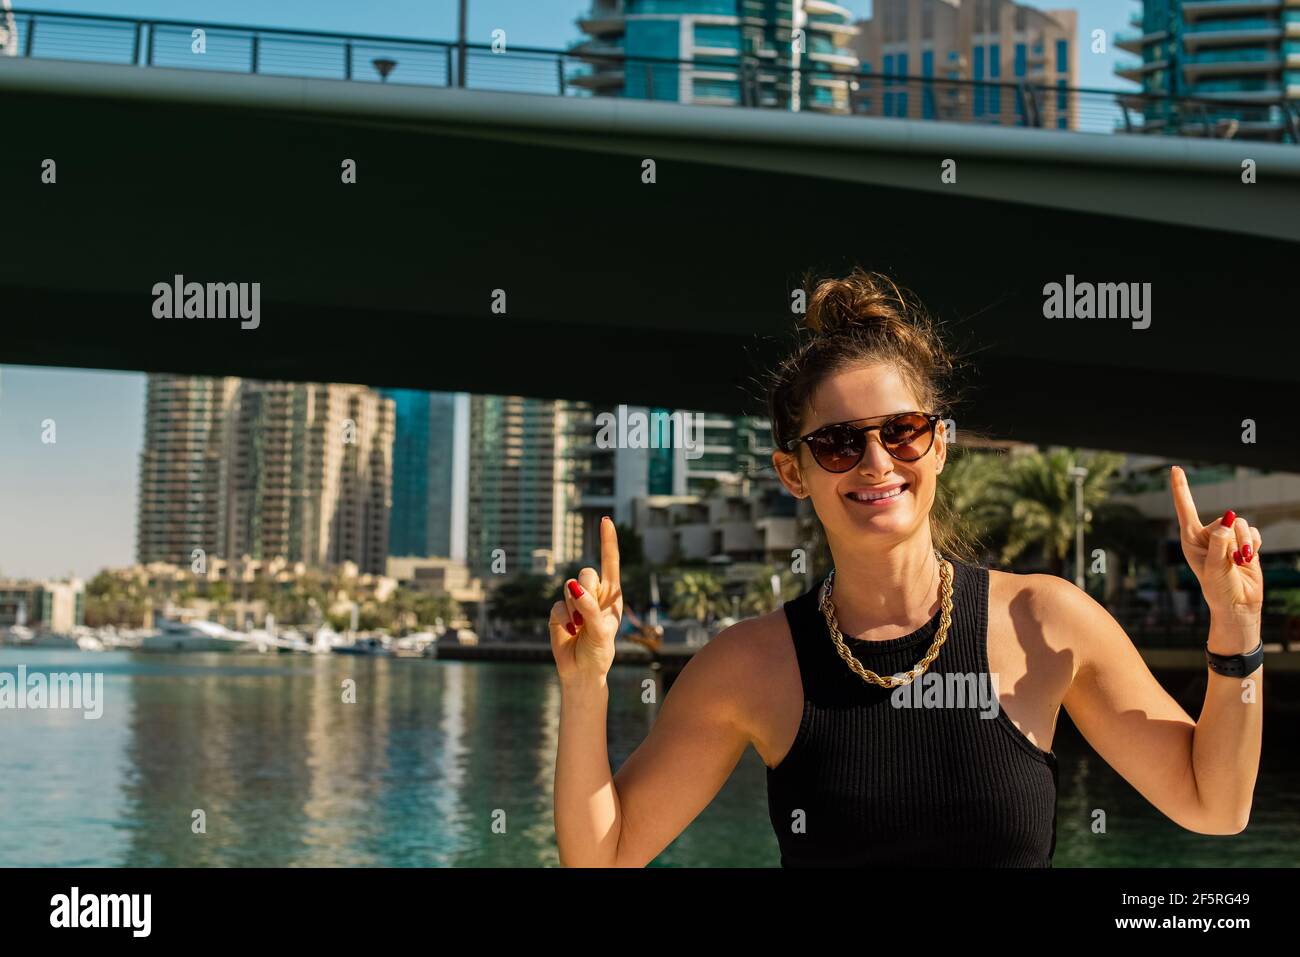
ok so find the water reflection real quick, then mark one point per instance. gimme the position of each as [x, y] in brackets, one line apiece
[415, 772]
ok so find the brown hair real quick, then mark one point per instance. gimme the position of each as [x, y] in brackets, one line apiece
[864, 318]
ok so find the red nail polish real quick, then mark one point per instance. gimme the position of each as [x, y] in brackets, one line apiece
[1228, 518]
[1247, 552]
[1236, 557]
[575, 590]
[577, 618]
[568, 626]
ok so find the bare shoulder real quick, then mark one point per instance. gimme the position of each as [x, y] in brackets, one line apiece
[1058, 610]
[745, 664]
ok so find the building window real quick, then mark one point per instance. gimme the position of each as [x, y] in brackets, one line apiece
[995, 73]
[927, 95]
[1062, 56]
[1020, 60]
[978, 53]
[888, 73]
[902, 96]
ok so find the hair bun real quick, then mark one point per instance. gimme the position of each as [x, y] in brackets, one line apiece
[860, 302]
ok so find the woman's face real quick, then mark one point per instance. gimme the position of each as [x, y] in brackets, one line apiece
[872, 393]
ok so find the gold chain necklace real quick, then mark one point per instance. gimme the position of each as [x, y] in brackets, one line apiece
[893, 681]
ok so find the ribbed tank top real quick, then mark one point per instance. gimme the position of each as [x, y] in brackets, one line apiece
[870, 784]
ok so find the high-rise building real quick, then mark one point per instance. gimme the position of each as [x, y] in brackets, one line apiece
[612, 477]
[299, 471]
[522, 497]
[734, 52]
[426, 459]
[1243, 51]
[8, 30]
[184, 491]
[1004, 53]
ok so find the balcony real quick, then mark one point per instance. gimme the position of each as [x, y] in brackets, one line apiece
[1134, 43]
[1230, 62]
[601, 22]
[1194, 9]
[1138, 71]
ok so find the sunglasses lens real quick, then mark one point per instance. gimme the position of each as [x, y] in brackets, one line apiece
[908, 436]
[837, 449]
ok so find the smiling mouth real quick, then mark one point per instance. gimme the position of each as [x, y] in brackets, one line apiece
[873, 497]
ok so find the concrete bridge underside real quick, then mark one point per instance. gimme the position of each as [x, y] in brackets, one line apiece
[674, 293]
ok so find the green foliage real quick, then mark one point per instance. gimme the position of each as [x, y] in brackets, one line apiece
[524, 597]
[696, 594]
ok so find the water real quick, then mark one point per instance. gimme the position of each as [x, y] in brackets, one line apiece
[417, 770]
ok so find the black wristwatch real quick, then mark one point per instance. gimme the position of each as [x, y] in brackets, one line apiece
[1235, 666]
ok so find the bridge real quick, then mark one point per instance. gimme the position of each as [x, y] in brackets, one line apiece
[673, 292]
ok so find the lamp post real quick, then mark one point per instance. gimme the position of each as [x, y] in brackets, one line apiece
[460, 43]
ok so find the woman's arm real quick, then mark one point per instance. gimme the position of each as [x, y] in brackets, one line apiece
[1201, 774]
[692, 748]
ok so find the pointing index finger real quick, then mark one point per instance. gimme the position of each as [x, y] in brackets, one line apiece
[608, 554]
[1183, 504]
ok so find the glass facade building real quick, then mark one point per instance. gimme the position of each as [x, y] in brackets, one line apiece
[1239, 58]
[721, 52]
[424, 457]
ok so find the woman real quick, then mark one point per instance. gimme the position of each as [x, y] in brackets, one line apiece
[905, 706]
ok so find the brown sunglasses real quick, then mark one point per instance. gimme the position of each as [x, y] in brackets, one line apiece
[907, 436]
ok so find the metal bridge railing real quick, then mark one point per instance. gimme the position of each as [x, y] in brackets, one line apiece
[593, 68]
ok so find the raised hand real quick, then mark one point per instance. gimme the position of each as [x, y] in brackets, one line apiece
[584, 623]
[1223, 557]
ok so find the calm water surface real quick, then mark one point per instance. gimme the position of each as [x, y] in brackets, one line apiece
[417, 770]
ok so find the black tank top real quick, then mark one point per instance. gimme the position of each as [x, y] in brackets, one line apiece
[870, 784]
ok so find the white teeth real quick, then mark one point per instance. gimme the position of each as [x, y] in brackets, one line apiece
[871, 497]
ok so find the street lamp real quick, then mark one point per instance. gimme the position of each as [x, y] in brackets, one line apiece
[460, 43]
[1078, 473]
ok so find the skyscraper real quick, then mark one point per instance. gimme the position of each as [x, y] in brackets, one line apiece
[609, 480]
[425, 460]
[266, 469]
[993, 41]
[184, 489]
[522, 497]
[1230, 50]
[737, 52]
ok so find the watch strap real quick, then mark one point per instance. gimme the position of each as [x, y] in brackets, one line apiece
[1235, 666]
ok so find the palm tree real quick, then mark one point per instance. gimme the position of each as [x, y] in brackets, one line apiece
[696, 595]
[1041, 495]
[758, 599]
[974, 488]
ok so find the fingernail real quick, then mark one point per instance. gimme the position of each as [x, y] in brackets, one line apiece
[1236, 557]
[1247, 552]
[568, 626]
[575, 589]
[577, 618]
[1228, 518]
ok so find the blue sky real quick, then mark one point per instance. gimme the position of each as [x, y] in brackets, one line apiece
[69, 506]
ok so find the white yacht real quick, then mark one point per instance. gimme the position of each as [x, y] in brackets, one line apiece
[196, 636]
[17, 635]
